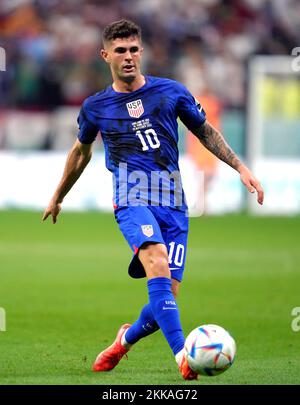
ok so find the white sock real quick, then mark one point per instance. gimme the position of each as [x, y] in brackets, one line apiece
[179, 356]
[124, 342]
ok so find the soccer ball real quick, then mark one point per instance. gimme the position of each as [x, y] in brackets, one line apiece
[210, 350]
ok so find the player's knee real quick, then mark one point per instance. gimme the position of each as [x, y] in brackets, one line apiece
[159, 267]
[155, 261]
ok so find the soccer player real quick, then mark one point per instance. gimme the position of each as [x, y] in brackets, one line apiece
[137, 117]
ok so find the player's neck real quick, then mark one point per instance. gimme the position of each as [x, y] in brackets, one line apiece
[123, 87]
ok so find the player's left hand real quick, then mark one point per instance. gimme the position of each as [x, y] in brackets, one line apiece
[252, 183]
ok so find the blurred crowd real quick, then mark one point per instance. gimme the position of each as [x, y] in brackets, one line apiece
[52, 46]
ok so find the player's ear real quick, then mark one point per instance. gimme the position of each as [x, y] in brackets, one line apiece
[104, 55]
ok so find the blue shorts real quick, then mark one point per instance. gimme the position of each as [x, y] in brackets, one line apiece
[144, 224]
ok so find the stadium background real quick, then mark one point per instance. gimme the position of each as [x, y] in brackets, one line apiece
[65, 289]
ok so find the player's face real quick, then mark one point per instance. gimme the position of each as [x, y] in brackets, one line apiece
[124, 57]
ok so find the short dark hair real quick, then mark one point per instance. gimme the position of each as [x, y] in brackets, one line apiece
[121, 29]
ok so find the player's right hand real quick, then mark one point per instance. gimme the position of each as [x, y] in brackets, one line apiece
[53, 209]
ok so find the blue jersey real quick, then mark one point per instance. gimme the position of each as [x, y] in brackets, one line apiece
[140, 135]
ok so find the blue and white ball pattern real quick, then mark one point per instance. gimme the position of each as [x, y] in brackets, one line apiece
[210, 350]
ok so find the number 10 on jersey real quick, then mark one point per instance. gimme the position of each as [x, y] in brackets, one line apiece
[149, 139]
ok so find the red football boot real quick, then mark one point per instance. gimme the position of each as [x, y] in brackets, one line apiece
[186, 372]
[110, 357]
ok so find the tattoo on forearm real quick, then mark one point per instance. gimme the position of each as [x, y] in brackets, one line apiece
[216, 144]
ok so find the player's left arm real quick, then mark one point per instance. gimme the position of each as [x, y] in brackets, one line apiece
[213, 140]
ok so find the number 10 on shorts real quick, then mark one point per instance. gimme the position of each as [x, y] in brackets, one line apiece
[176, 254]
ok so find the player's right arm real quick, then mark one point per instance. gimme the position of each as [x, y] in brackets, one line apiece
[78, 157]
[214, 141]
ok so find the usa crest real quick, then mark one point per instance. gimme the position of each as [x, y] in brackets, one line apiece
[147, 230]
[135, 108]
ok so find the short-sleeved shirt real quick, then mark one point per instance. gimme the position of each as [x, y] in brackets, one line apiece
[140, 135]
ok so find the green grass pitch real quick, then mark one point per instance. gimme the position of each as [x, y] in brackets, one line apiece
[66, 291]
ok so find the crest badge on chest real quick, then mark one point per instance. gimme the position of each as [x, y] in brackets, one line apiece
[135, 108]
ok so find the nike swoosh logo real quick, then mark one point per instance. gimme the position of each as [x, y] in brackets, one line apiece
[174, 268]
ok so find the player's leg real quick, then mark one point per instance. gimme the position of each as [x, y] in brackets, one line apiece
[155, 260]
[131, 220]
[146, 324]
[175, 287]
[158, 259]
[174, 226]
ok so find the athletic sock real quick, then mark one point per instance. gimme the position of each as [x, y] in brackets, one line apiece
[142, 327]
[165, 311]
[179, 356]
